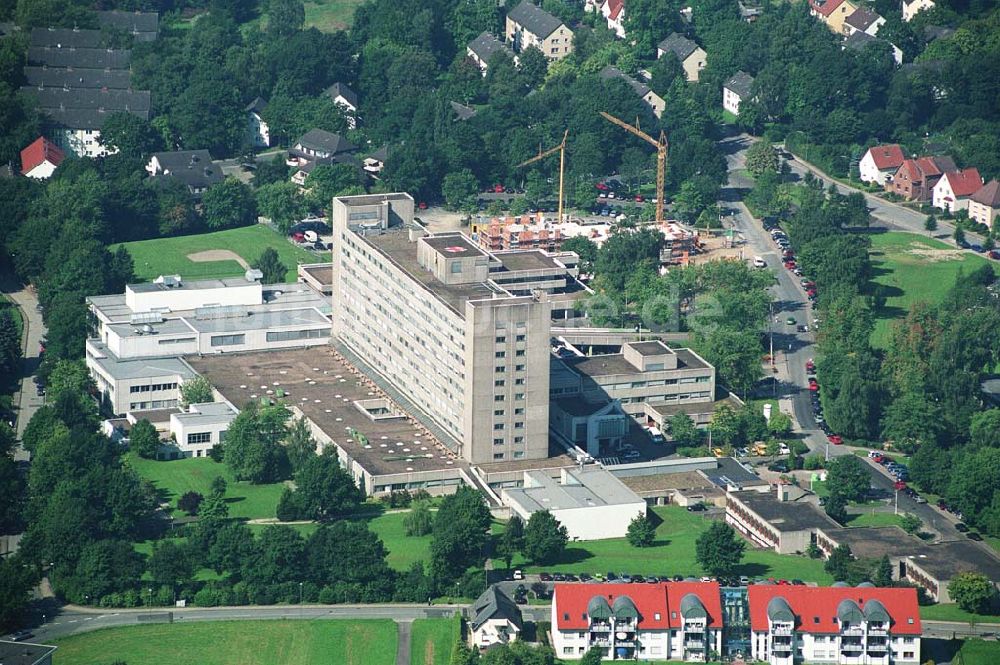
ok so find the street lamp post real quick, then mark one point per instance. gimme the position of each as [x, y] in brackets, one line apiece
[300, 598]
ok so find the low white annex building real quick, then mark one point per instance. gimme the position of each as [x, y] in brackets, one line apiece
[199, 429]
[589, 501]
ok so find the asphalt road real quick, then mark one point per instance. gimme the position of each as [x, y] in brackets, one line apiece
[27, 401]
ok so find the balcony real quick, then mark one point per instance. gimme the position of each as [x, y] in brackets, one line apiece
[599, 627]
[853, 632]
[600, 642]
[782, 631]
[851, 647]
[877, 629]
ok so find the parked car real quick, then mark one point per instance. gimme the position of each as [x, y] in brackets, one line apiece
[781, 466]
[519, 574]
[810, 366]
[545, 577]
[20, 636]
[696, 508]
[994, 254]
[961, 527]
[972, 535]
[586, 577]
[835, 439]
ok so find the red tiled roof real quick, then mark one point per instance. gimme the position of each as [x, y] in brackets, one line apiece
[887, 156]
[988, 194]
[926, 167]
[815, 608]
[825, 8]
[651, 600]
[965, 183]
[615, 8]
[39, 151]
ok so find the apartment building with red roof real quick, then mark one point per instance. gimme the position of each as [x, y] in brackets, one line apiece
[880, 162]
[839, 624]
[953, 190]
[666, 620]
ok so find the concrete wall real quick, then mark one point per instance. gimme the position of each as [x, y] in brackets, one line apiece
[177, 299]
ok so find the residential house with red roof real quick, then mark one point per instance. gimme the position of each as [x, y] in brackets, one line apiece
[953, 190]
[914, 180]
[984, 205]
[832, 12]
[40, 159]
[667, 620]
[614, 12]
[839, 624]
[880, 162]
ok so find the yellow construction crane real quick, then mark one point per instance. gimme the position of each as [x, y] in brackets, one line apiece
[661, 156]
[561, 148]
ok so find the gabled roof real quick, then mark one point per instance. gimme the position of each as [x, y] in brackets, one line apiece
[495, 604]
[889, 156]
[65, 38]
[816, 609]
[192, 167]
[921, 168]
[86, 58]
[679, 45]
[257, 105]
[534, 19]
[707, 593]
[741, 83]
[88, 108]
[615, 8]
[858, 40]
[341, 90]
[612, 72]
[76, 77]
[41, 150]
[988, 194]
[862, 18]
[485, 46]
[825, 7]
[965, 182]
[658, 606]
[144, 25]
[324, 141]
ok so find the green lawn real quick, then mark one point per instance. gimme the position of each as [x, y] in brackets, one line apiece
[978, 652]
[169, 256]
[914, 268]
[432, 641]
[360, 642]
[176, 477]
[331, 15]
[673, 554]
[403, 550]
[951, 612]
[875, 519]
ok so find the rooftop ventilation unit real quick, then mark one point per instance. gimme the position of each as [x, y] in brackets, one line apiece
[220, 312]
[169, 281]
[145, 317]
[253, 275]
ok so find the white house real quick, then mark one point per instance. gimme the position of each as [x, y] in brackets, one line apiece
[735, 90]
[482, 49]
[40, 159]
[260, 133]
[496, 619]
[880, 162]
[911, 8]
[953, 190]
[347, 99]
[614, 12]
[839, 624]
[195, 432]
[590, 502]
[668, 620]
[863, 20]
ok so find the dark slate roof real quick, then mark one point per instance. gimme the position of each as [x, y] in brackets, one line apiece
[462, 112]
[341, 90]
[485, 46]
[324, 141]
[65, 38]
[859, 40]
[679, 45]
[71, 77]
[741, 83]
[988, 194]
[136, 101]
[862, 18]
[143, 25]
[257, 105]
[612, 72]
[194, 168]
[534, 19]
[85, 58]
[82, 118]
[494, 603]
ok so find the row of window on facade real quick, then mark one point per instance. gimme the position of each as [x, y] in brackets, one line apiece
[152, 387]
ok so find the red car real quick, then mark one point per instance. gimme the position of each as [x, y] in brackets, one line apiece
[298, 236]
[422, 205]
[498, 189]
[835, 439]
[994, 254]
[899, 485]
[878, 459]
[639, 198]
[810, 366]
[790, 265]
[811, 293]
[813, 386]
[601, 186]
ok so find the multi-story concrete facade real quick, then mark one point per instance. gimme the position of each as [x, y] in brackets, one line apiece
[530, 25]
[451, 327]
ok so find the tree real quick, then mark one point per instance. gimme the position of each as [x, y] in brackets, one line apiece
[419, 521]
[228, 205]
[300, 445]
[836, 507]
[761, 157]
[459, 190]
[170, 564]
[15, 590]
[641, 531]
[10, 346]
[910, 523]
[278, 557]
[512, 540]
[780, 423]
[544, 538]
[882, 576]
[592, 657]
[725, 425]
[282, 203]
[848, 476]
[271, 171]
[719, 550]
[533, 65]
[584, 247]
[270, 265]
[144, 439]
[930, 223]
[959, 235]
[285, 17]
[327, 181]
[196, 391]
[190, 502]
[973, 592]
[323, 488]
[253, 443]
[839, 564]
[461, 533]
[130, 135]
[683, 431]
[346, 555]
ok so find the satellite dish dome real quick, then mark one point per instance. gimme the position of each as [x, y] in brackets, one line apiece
[147, 328]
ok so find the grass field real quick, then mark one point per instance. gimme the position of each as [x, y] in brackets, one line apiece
[169, 256]
[176, 477]
[403, 550]
[361, 642]
[875, 519]
[951, 612]
[913, 268]
[331, 15]
[674, 554]
[432, 640]
[978, 652]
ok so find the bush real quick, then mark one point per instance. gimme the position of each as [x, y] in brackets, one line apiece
[813, 462]
[189, 502]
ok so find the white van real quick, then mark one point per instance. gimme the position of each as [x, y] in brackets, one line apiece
[759, 262]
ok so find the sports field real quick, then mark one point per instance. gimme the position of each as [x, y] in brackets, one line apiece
[331, 15]
[195, 474]
[359, 642]
[913, 268]
[214, 255]
[674, 554]
[432, 641]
